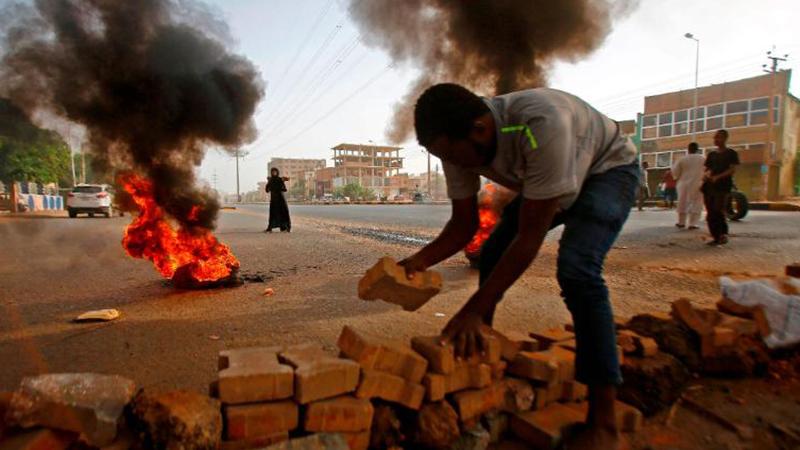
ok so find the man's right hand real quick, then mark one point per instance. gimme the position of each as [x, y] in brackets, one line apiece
[413, 264]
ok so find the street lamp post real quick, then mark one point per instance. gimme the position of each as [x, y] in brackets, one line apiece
[693, 115]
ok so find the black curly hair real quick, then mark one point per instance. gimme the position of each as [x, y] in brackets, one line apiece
[446, 109]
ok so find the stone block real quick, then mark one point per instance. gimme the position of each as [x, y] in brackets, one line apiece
[546, 428]
[551, 336]
[465, 376]
[318, 375]
[39, 439]
[86, 403]
[250, 375]
[436, 426]
[387, 281]
[392, 388]
[344, 413]
[318, 441]
[259, 419]
[255, 443]
[176, 419]
[472, 403]
[374, 353]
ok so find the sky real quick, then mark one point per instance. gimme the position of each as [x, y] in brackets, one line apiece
[312, 103]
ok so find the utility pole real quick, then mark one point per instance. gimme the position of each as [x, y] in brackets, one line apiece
[692, 116]
[437, 180]
[429, 174]
[72, 155]
[214, 179]
[83, 165]
[771, 109]
[238, 192]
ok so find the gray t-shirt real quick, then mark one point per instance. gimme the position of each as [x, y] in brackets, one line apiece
[548, 143]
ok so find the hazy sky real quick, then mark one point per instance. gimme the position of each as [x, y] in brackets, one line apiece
[312, 103]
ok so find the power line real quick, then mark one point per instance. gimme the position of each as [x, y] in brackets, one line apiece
[349, 97]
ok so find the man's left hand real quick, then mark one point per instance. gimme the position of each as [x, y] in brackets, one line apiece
[464, 333]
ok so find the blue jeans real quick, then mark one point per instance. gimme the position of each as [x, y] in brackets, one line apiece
[591, 225]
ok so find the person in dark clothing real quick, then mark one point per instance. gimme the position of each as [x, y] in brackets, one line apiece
[278, 208]
[717, 184]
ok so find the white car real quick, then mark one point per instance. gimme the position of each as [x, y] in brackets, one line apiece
[90, 198]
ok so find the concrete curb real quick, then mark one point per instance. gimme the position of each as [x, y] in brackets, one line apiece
[774, 206]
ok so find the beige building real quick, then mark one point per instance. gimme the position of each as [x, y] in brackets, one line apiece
[742, 107]
[371, 166]
[295, 168]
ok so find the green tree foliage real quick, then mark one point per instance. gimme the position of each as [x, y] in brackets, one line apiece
[30, 153]
[355, 192]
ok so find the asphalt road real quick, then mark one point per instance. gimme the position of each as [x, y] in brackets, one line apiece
[54, 268]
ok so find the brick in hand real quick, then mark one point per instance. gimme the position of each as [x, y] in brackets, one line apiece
[373, 353]
[318, 375]
[250, 375]
[387, 281]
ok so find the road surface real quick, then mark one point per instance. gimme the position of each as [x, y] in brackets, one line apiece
[54, 268]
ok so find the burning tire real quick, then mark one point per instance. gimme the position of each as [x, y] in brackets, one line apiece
[491, 201]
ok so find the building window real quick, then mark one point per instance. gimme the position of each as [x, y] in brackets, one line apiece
[736, 120]
[714, 123]
[651, 133]
[680, 128]
[664, 159]
[665, 131]
[650, 121]
[715, 110]
[759, 104]
[700, 126]
[664, 118]
[681, 116]
[736, 107]
[699, 113]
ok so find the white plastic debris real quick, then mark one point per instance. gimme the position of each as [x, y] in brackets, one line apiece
[782, 309]
[101, 315]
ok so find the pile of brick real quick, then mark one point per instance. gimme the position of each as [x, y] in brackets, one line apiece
[520, 386]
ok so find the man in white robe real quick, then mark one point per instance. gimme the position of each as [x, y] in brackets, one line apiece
[689, 173]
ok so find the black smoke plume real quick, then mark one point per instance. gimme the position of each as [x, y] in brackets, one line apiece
[151, 81]
[491, 46]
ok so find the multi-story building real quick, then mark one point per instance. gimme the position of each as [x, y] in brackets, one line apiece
[371, 166]
[742, 107]
[295, 168]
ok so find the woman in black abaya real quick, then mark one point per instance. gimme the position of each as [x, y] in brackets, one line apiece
[278, 208]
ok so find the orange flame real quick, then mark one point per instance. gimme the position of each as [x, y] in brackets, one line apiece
[150, 236]
[487, 219]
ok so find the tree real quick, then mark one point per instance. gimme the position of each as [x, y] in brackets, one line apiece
[30, 153]
[355, 192]
[298, 191]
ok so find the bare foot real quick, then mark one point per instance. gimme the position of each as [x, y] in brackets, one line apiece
[596, 438]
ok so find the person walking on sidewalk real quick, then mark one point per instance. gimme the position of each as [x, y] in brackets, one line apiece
[717, 184]
[689, 173]
[569, 165]
[643, 192]
[670, 191]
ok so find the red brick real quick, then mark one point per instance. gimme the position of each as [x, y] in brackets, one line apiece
[499, 370]
[339, 414]
[550, 366]
[573, 391]
[549, 337]
[525, 342]
[465, 376]
[259, 419]
[629, 419]
[546, 428]
[318, 375]
[546, 395]
[508, 347]
[392, 388]
[255, 443]
[387, 281]
[634, 344]
[379, 354]
[473, 403]
[253, 375]
[440, 357]
[683, 311]
[39, 439]
[793, 270]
